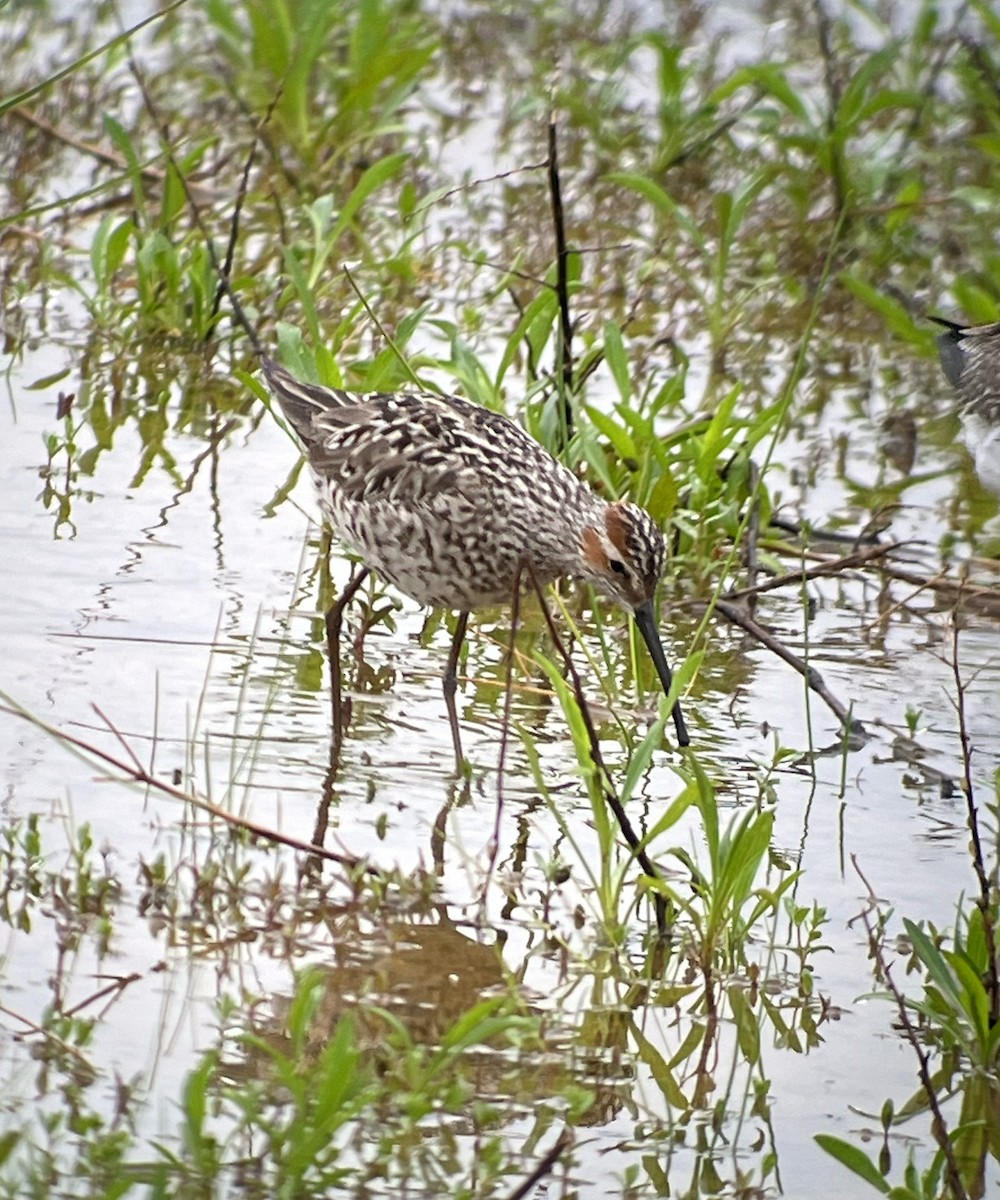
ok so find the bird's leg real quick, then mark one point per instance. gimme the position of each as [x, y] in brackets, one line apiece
[334, 621]
[520, 566]
[451, 683]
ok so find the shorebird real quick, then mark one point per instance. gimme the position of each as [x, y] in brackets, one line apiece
[448, 501]
[970, 356]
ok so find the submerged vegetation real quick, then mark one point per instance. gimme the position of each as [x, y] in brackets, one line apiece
[693, 252]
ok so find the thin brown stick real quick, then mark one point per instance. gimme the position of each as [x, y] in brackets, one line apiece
[751, 559]
[510, 272]
[817, 533]
[47, 1034]
[120, 739]
[238, 311]
[135, 772]
[834, 92]
[429, 386]
[738, 616]
[515, 618]
[939, 1127]
[832, 566]
[110, 158]
[984, 899]
[333, 621]
[700, 145]
[241, 195]
[113, 989]
[527, 1186]
[475, 183]
[562, 274]
[971, 597]
[607, 787]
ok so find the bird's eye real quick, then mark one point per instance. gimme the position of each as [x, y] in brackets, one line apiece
[617, 566]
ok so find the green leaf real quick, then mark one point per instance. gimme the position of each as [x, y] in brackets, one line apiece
[718, 436]
[692, 1040]
[304, 291]
[571, 710]
[979, 305]
[341, 1080]
[641, 758]
[897, 319]
[119, 39]
[619, 438]
[122, 141]
[935, 963]
[47, 381]
[675, 810]
[854, 1159]
[377, 174]
[855, 96]
[773, 80]
[107, 250]
[663, 1076]
[661, 500]
[704, 798]
[8, 1141]
[747, 1028]
[661, 199]
[535, 325]
[617, 360]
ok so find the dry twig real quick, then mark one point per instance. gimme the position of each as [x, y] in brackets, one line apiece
[133, 771]
[939, 1127]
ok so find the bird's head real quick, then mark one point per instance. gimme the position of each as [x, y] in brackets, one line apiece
[623, 554]
[953, 357]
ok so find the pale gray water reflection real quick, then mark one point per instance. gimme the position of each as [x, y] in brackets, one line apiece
[179, 594]
[184, 613]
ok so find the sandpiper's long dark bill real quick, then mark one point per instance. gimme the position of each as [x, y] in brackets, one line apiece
[447, 500]
[645, 621]
[970, 357]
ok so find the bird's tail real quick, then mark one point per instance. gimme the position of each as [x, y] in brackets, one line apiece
[300, 402]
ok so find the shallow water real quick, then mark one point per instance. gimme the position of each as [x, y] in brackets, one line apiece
[157, 610]
[185, 609]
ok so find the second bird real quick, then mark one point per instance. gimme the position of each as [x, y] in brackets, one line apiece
[970, 356]
[445, 499]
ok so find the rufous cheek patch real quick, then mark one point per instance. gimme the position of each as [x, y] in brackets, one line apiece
[593, 551]
[615, 524]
